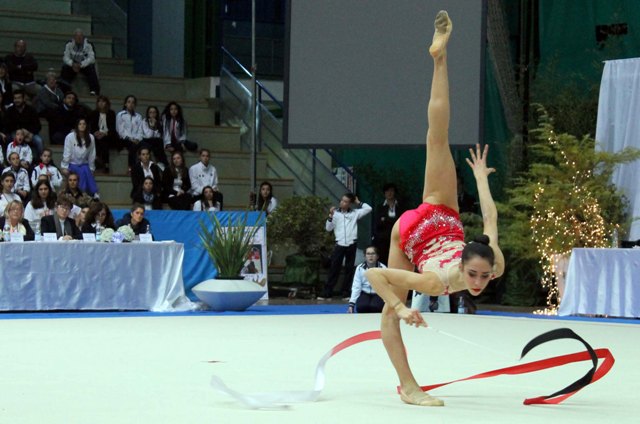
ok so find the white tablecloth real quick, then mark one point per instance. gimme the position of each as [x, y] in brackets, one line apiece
[92, 276]
[603, 282]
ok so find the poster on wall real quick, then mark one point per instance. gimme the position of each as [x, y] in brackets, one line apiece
[255, 265]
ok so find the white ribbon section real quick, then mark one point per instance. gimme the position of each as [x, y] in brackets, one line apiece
[277, 400]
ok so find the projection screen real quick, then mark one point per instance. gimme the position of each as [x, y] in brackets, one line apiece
[358, 72]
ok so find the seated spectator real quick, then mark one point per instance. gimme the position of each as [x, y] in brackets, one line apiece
[8, 195]
[49, 98]
[47, 168]
[14, 217]
[102, 122]
[64, 119]
[174, 129]
[203, 174]
[19, 146]
[145, 168]
[152, 135]
[98, 214]
[136, 220]
[80, 58]
[5, 85]
[42, 203]
[22, 66]
[147, 195]
[177, 184]
[265, 202]
[129, 127]
[363, 297]
[22, 187]
[72, 190]
[21, 115]
[206, 202]
[60, 223]
[79, 156]
[3, 126]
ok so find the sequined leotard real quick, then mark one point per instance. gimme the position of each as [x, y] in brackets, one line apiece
[432, 238]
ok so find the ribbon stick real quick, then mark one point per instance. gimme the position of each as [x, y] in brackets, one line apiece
[282, 399]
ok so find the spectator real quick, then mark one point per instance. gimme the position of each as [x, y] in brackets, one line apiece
[21, 115]
[265, 201]
[79, 156]
[14, 216]
[73, 192]
[203, 174]
[364, 298]
[49, 98]
[206, 202]
[60, 222]
[47, 168]
[64, 119]
[129, 127]
[174, 129]
[80, 58]
[344, 224]
[177, 184]
[102, 122]
[42, 203]
[147, 195]
[145, 168]
[5, 85]
[3, 125]
[136, 220]
[386, 216]
[21, 66]
[152, 135]
[98, 214]
[20, 175]
[8, 195]
[23, 150]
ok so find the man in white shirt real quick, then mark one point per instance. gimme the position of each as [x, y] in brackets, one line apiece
[22, 186]
[201, 175]
[129, 128]
[343, 221]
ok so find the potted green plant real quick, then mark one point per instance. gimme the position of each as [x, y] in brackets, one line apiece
[299, 223]
[228, 247]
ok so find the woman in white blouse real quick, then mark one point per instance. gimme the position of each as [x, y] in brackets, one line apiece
[79, 155]
[42, 203]
[152, 135]
[8, 181]
[207, 203]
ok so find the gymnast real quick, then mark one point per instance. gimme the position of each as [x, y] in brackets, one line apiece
[430, 238]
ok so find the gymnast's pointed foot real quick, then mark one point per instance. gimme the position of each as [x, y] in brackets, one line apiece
[443, 27]
[420, 398]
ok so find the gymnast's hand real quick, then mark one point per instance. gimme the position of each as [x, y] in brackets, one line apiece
[478, 161]
[410, 316]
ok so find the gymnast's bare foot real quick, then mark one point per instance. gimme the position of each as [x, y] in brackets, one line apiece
[443, 27]
[420, 398]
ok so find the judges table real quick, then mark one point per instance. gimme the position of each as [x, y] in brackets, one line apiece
[603, 282]
[76, 275]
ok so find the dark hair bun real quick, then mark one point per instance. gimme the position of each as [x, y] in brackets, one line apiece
[482, 238]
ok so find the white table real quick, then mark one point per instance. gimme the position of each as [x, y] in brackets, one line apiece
[603, 282]
[77, 275]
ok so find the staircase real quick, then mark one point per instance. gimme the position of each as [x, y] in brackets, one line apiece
[46, 25]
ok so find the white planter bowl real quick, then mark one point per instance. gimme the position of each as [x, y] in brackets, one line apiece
[228, 295]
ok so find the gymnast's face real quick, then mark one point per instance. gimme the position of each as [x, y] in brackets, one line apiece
[477, 272]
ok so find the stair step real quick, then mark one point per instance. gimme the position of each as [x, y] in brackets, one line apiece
[48, 43]
[54, 23]
[41, 6]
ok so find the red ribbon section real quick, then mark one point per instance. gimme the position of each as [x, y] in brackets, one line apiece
[595, 374]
